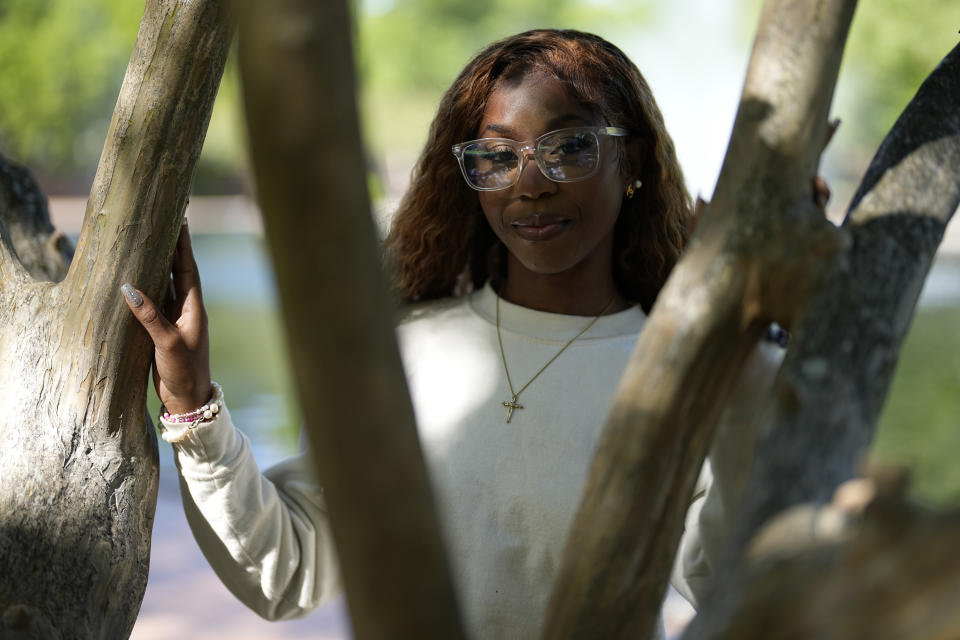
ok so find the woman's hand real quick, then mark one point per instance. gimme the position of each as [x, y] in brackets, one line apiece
[181, 363]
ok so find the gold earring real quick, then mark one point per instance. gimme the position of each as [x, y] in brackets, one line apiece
[632, 188]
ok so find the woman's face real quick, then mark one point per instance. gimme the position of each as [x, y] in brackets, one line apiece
[551, 228]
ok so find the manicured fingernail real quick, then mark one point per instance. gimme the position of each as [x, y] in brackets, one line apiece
[134, 298]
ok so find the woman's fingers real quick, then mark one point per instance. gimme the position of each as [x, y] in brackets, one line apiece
[186, 276]
[821, 192]
[182, 347]
[146, 312]
[181, 352]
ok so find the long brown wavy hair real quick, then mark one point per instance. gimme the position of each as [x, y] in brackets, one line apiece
[440, 240]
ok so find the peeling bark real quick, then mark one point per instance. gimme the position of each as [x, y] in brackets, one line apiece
[78, 463]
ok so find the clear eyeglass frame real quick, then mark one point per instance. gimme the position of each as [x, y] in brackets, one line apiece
[521, 151]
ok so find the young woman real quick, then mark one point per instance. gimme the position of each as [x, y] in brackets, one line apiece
[544, 215]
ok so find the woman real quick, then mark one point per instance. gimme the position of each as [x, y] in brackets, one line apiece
[534, 250]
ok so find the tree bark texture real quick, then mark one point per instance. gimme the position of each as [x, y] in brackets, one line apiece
[757, 251]
[836, 376]
[837, 373]
[883, 576]
[296, 65]
[78, 463]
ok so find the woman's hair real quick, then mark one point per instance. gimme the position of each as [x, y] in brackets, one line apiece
[440, 240]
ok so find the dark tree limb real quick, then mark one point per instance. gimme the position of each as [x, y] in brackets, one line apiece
[43, 250]
[756, 252]
[296, 64]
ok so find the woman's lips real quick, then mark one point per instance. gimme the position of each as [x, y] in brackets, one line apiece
[540, 226]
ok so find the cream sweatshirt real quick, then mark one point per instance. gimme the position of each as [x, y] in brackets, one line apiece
[506, 493]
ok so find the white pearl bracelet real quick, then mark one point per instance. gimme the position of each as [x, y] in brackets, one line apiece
[192, 419]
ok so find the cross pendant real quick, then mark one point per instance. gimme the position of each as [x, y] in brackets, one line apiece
[511, 406]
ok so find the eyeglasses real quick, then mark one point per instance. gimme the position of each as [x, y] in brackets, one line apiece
[564, 155]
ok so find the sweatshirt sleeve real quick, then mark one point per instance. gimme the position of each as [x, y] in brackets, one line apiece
[724, 474]
[266, 536]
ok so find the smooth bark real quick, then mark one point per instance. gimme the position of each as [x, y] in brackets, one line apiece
[78, 464]
[296, 63]
[757, 251]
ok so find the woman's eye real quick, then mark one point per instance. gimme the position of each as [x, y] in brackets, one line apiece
[572, 145]
[500, 156]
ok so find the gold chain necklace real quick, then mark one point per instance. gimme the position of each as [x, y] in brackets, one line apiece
[512, 404]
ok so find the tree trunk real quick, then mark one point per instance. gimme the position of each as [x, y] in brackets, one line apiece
[78, 466]
[296, 63]
[835, 380]
[758, 250]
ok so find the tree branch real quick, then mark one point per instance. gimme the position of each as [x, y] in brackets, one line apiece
[41, 249]
[146, 168]
[837, 375]
[79, 464]
[296, 62]
[760, 232]
[885, 576]
[20, 198]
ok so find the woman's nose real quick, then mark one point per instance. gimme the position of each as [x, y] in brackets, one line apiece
[532, 183]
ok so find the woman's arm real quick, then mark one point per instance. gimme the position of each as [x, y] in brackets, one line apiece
[266, 536]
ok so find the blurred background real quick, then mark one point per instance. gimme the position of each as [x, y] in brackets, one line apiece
[62, 62]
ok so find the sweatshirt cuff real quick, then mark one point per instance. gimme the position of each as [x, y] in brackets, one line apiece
[213, 441]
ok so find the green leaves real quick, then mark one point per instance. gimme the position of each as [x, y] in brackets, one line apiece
[61, 63]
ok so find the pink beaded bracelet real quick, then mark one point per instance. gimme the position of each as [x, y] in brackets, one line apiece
[204, 414]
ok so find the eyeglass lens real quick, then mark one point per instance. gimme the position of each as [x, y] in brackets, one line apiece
[563, 157]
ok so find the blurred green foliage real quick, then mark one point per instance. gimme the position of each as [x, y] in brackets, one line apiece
[59, 62]
[62, 63]
[409, 51]
[893, 46]
[920, 426]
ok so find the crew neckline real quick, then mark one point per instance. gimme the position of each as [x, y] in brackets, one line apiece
[545, 325]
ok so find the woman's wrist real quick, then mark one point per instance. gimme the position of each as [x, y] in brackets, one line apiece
[186, 402]
[182, 423]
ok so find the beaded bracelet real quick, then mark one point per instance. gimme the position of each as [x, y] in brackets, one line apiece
[204, 414]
